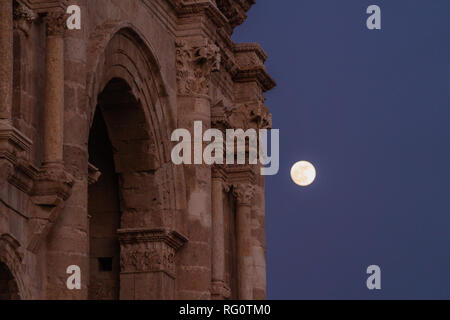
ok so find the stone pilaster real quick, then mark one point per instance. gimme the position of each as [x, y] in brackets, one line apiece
[74, 217]
[251, 82]
[54, 87]
[220, 290]
[6, 58]
[196, 58]
[244, 193]
[67, 241]
[148, 256]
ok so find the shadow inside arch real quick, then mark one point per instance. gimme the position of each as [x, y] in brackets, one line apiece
[8, 285]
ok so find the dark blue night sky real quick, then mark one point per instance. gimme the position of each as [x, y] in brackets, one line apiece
[371, 110]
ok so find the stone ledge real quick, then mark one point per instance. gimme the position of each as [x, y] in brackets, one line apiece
[41, 6]
[133, 235]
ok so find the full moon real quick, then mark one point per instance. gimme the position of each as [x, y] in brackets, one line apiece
[303, 173]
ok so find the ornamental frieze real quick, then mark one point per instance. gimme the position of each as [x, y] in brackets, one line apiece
[147, 257]
[149, 250]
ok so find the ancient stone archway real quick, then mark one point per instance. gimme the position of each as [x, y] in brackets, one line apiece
[11, 270]
[136, 200]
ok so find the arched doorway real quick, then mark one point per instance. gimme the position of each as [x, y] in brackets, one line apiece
[135, 239]
[104, 212]
[119, 144]
[8, 285]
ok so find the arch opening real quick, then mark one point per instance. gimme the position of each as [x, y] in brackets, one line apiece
[104, 213]
[121, 149]
[8, 285]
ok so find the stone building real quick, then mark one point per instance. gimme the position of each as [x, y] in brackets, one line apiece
[86, 177]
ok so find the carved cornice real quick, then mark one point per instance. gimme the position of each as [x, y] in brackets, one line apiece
[144, 257]
[240, 174]
[172, 238]
[227, 14]
[53, 180]
[149, 250]
[41, 6]
[235, 10]
[250, 58]
[251, 47]
[195, 61]
[14, 158]
[13, 144]
[186, 9]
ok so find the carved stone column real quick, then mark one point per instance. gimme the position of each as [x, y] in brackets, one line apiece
[196, 58]
[244, 193]
[66, 243]
[148, 256]
[219, 288]
[6, 58]
[54, 88]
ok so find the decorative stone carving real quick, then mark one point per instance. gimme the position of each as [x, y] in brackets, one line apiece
[55, 23]
[147, 257]
[219, 116]
[53, 180]
[254, 115]
[23, 12]
[244, 193]
[149, 250]
[194, 65]
[14, 155]
[23, 17]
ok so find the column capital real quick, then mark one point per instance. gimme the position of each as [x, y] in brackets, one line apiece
[244, 193]
[218, 172]
[55, 23]
[195, 60]
[23, 17]
[22, 12]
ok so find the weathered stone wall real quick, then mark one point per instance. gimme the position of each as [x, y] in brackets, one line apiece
[146, 67]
